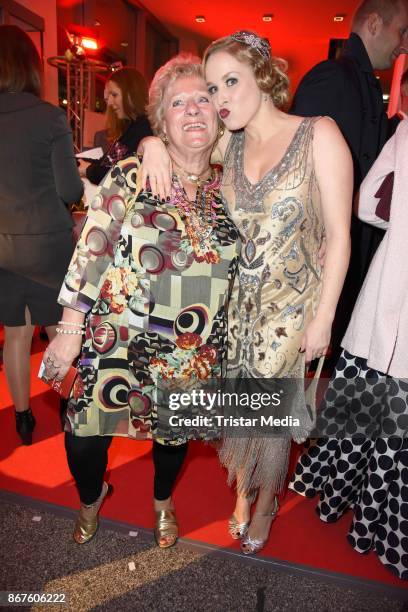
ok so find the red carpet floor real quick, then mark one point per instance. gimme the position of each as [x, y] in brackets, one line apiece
[202, 497]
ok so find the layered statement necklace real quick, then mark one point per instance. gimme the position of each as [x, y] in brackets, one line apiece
[195, 179]
[199, 217]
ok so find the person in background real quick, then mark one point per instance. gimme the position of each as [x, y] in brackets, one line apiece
[126, 97]
[347, 90]
[38, 178]
[360, 460]
[404, 93]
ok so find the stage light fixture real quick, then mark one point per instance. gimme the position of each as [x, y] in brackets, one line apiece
[338, 17]
[267, 17]
[200, 19]
[89, 43]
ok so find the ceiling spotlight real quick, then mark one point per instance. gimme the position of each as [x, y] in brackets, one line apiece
[124, 44]
[200, 19]
[339, 17]
[267, 17]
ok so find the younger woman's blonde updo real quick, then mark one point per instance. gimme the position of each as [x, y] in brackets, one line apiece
[270, 72]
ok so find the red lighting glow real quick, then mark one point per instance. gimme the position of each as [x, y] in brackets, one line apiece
[89, 43]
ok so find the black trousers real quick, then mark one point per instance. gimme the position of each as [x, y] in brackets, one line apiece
[88, 458]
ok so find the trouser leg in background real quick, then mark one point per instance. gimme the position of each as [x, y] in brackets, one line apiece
[168, 461]
[87, 460]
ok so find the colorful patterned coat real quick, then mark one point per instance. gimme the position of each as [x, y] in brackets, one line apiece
[155, 307]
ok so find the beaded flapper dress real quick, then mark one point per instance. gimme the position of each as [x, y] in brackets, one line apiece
[276, 292]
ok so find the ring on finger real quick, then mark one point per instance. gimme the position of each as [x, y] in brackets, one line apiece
[53, 366]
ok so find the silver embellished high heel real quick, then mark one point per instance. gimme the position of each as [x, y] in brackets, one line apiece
[250, 546]
[235, 529]
[238, 530]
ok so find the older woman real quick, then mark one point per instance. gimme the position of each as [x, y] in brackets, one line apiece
[148, 285]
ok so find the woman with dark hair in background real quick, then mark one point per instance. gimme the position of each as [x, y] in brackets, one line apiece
[38, 177]
[126, 96]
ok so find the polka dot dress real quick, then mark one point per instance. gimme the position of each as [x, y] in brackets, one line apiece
[362, 460]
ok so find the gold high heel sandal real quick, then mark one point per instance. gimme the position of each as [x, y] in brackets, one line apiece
[166, 528]
[250, 546]
[87, 523]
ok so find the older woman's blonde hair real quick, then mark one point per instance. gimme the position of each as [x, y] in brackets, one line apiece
[270, 73]
[182, 65]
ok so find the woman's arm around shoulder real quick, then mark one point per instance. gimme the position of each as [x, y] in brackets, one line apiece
[220, 148]
[157, 166]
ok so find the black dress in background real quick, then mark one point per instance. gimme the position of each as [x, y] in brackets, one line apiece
[38, 178]
[124, 146]
[362, 462]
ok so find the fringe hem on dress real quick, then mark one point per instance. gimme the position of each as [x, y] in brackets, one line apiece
[256, 462]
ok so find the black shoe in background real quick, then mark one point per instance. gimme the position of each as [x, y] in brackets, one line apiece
[43, 334]
[25, 423]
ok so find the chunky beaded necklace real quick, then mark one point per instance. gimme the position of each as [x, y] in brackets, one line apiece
[200, 217]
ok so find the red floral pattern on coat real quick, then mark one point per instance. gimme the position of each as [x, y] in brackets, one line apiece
[189, 341]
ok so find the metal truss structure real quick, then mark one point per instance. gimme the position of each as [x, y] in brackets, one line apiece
[79, 79]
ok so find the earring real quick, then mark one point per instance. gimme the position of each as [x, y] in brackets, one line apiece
[266, 98]
[221, 131]
[164, 138]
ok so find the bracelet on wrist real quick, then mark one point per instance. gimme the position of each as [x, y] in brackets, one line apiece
[71, 324]
[70, 332]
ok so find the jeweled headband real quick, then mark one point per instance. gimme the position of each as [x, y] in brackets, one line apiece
[253, 40]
